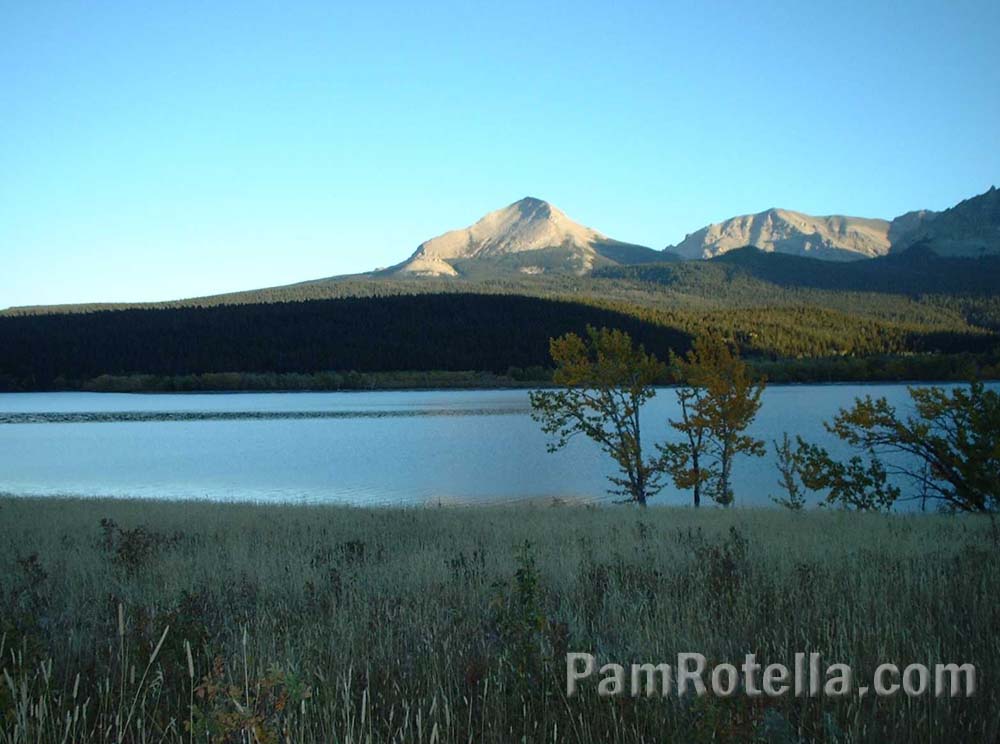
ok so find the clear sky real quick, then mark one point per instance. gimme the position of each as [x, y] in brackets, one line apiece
[170, 149]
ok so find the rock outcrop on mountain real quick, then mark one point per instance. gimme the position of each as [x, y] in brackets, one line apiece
[833, 237]
[968, 230]
[528, 237]
[971, 228]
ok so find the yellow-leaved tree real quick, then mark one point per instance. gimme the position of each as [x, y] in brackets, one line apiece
[606, 379]
[719, 398]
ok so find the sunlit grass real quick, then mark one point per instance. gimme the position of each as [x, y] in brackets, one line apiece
[311, 623]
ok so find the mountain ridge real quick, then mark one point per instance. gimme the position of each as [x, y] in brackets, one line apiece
[532, 236]
[970, 228]
[830, 237]
[533, 242]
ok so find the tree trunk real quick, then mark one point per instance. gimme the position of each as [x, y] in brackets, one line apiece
[727, 463]
[640, 487]
[697, 480]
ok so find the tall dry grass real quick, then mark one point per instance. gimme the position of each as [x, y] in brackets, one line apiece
[154, 621]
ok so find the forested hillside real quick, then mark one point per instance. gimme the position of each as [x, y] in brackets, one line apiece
[456, 332]
[775, 307]
[917, 271]
[915, 287]
[426, 332]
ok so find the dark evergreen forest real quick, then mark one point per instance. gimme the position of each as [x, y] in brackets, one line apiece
[419, 332]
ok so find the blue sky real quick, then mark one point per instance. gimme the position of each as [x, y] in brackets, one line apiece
[161, 150]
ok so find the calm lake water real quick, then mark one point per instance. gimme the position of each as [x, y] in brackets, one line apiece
[414, 447]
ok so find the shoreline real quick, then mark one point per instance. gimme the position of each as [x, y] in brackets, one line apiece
[827, 370]
[475, 388]
[604, 505]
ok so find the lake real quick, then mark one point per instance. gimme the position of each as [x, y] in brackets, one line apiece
[361, 448]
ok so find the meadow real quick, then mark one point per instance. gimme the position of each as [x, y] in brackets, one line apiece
[156, 621]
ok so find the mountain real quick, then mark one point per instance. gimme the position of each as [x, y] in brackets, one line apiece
[528, 237]
[833, 237]
[531, 247]
[903, 228]
[970, 229]
[532, 236]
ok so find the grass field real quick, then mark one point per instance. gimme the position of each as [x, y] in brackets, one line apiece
[157, 621]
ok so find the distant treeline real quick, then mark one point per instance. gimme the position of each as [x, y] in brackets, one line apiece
[515, 377]
[450, 333]
[883, 368]
[907, 368]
